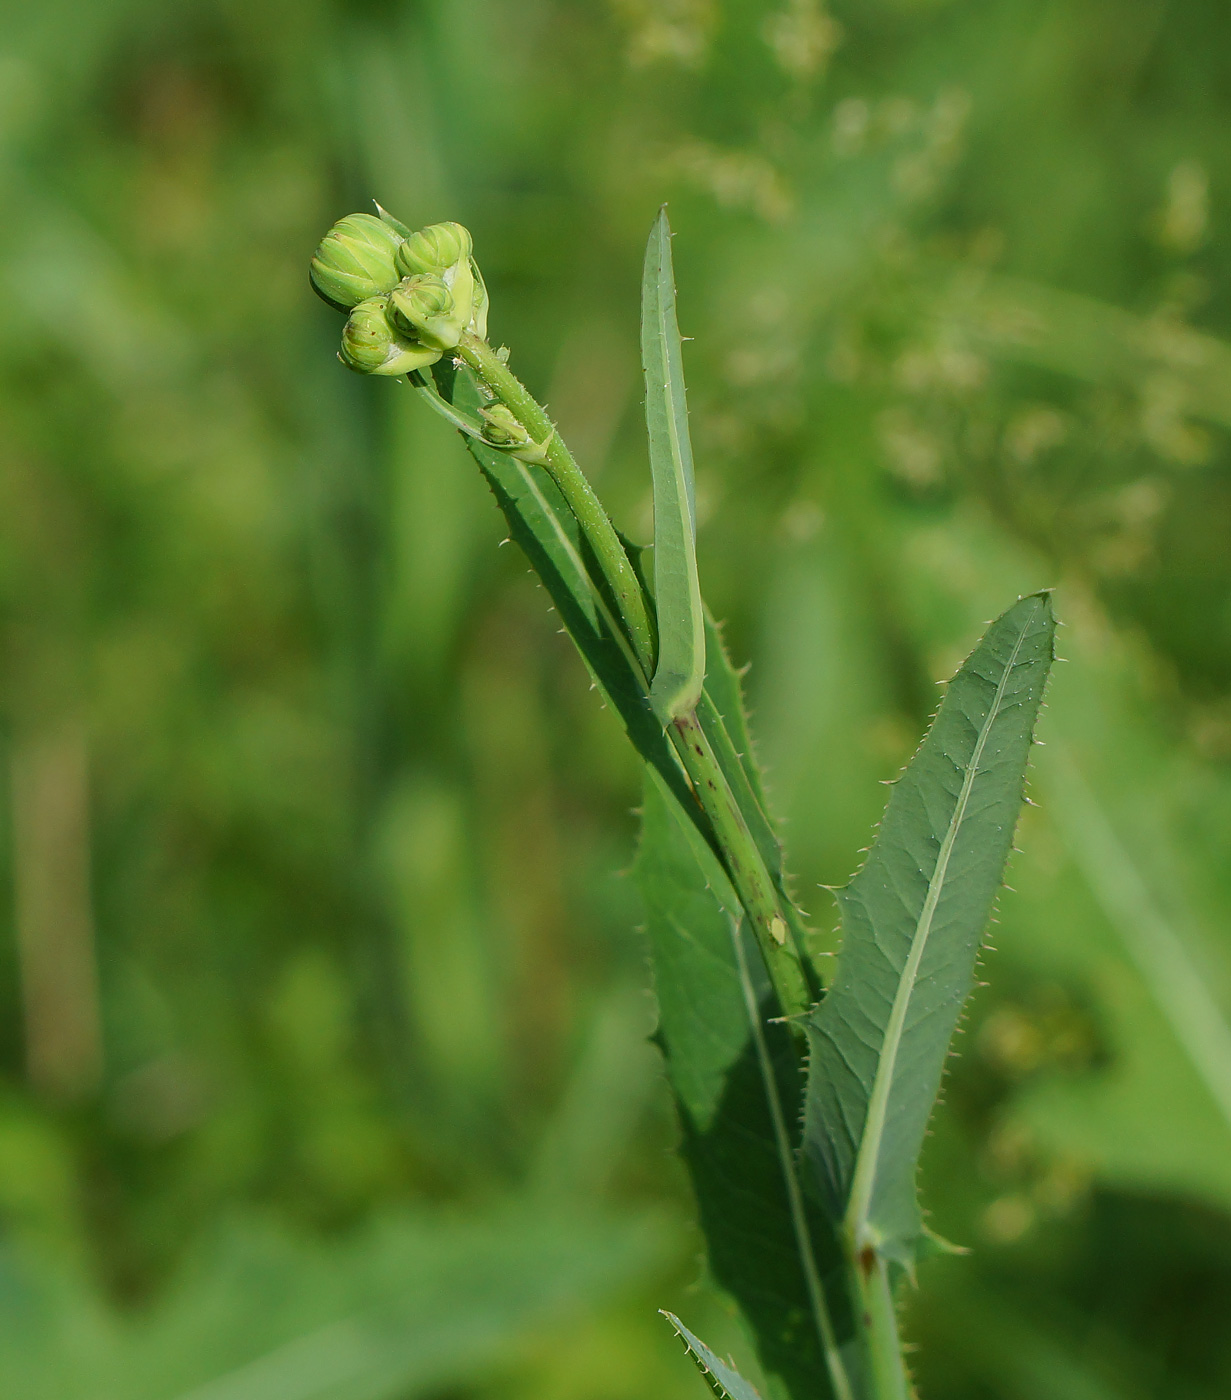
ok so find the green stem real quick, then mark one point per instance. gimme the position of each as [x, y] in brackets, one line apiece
[744, 863]
[872, 1293]
[737, 846]
[595, 523]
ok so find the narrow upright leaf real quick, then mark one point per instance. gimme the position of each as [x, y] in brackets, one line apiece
[912, 920]
[680, 671]
[723, 1378]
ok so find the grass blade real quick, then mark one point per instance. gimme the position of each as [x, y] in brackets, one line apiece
[680, 670]
[913, 918]
[1167, 967]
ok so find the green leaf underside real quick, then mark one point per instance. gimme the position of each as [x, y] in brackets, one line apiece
[727, 1137]
[913, 918]
[680, 670]
[723, 1378]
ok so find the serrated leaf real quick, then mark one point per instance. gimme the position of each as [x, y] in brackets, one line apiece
[913, 918]
[724, 1379]
[680, 670]
[726, 1128]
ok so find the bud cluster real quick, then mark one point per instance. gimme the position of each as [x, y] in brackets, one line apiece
[409, 296]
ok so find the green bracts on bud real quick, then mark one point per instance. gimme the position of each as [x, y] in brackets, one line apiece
[395, 224]
[424, 307]
[371, 343]
[355, 261]
[478, 315]
[434, 249]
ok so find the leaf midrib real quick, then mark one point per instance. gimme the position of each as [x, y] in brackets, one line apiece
[868, 1158]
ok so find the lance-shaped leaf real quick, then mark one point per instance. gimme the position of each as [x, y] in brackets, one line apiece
[912, 919]
[724, 1379]
[680, 670]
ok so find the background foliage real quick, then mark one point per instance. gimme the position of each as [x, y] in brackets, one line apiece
[323, 1051]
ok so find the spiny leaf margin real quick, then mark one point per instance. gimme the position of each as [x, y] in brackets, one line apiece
[913, 919]
[724, 1379]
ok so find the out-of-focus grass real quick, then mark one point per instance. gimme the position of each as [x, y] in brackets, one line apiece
[312, 838]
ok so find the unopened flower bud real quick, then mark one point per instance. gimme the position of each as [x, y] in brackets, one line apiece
[355, 261]
[502, 429]
[434, 249]
[371, 343]
[423, 306]
[445, 251]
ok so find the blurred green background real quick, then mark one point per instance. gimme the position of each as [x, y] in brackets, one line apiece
[323, 1058]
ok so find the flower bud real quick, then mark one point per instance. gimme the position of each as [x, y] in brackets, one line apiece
[434, 249]
[423, 306]
[444, 250]
[371, 344]
[355, 261]
[502, 429]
